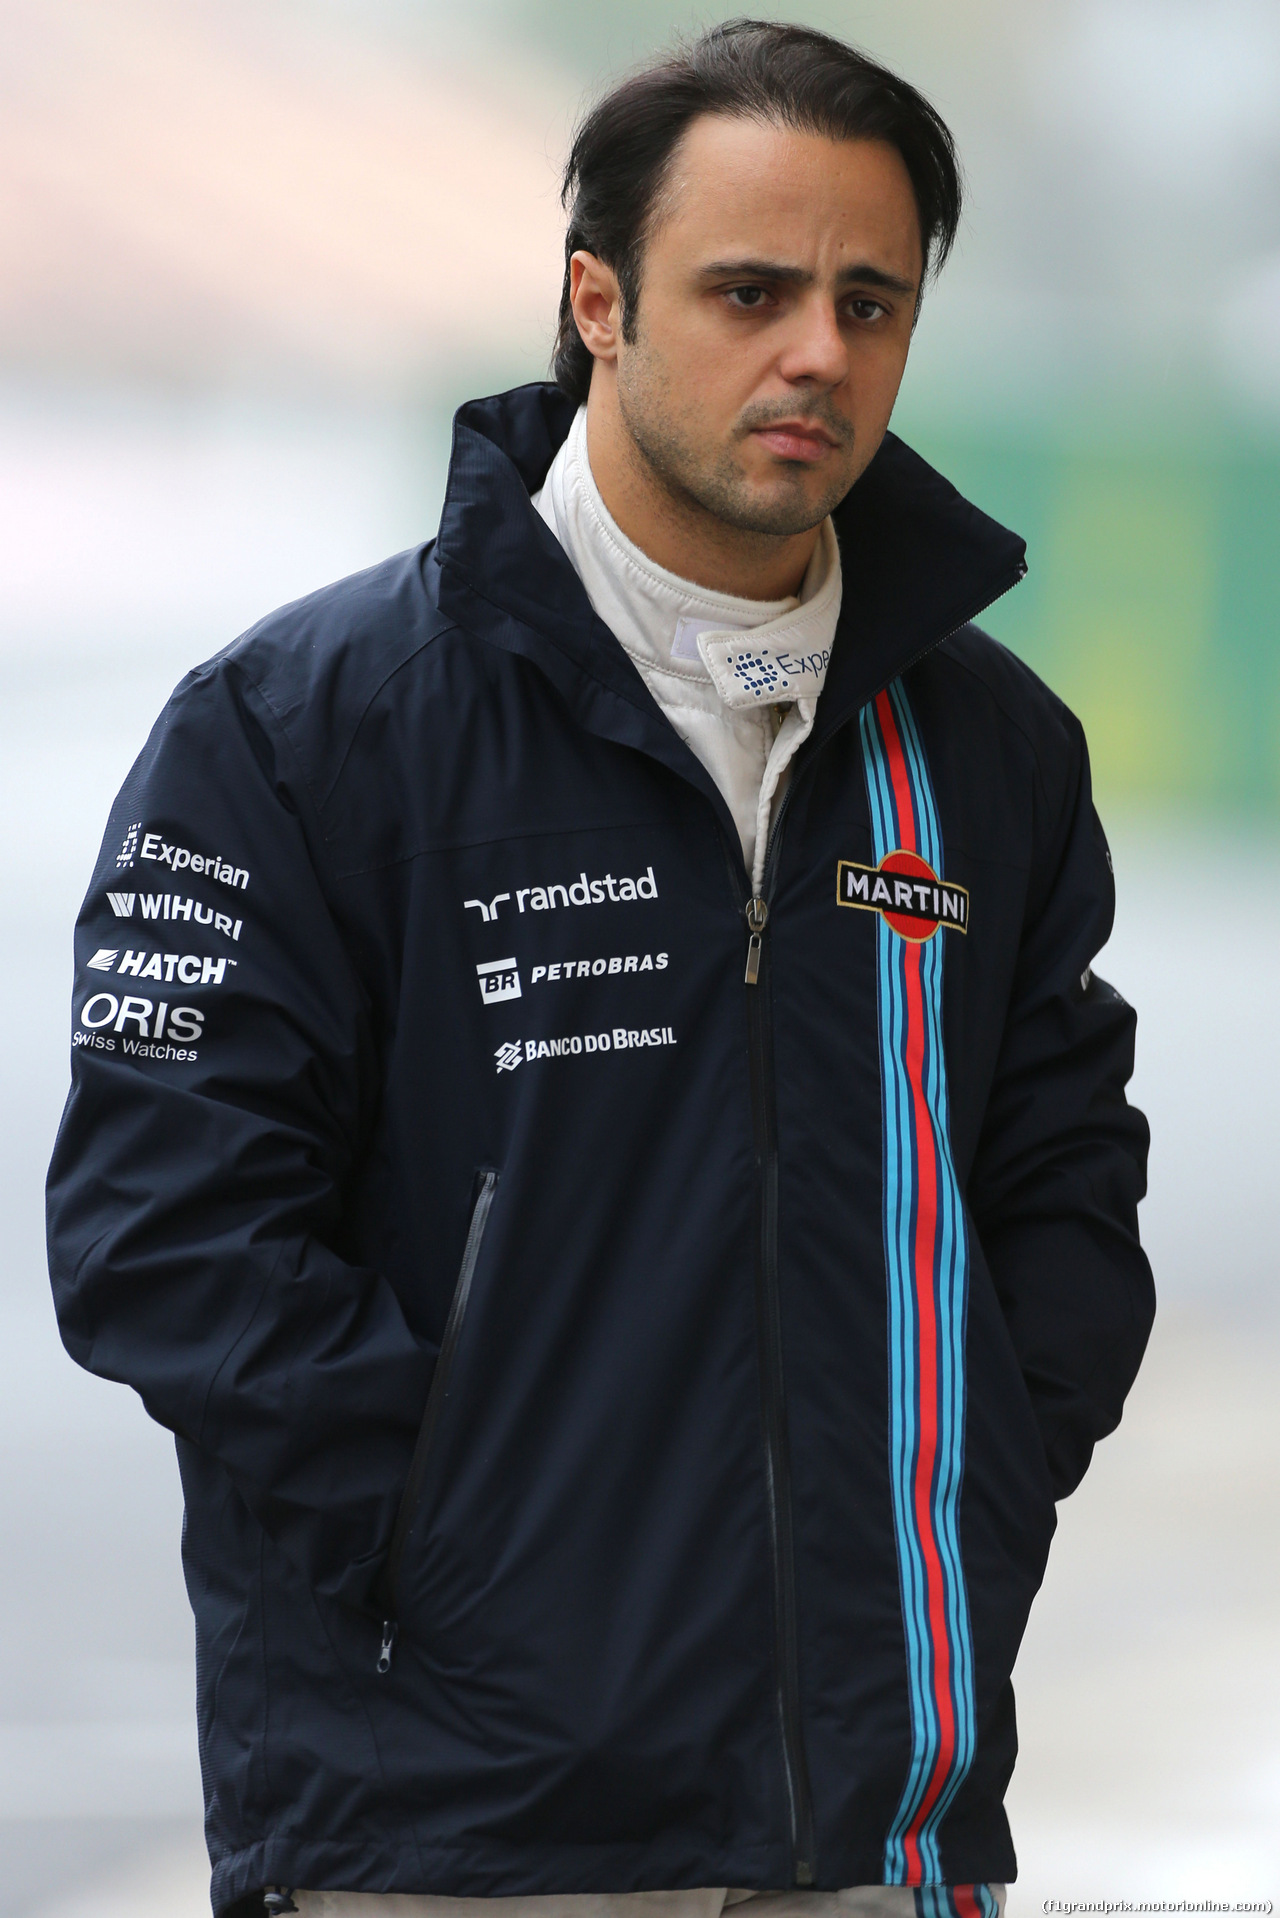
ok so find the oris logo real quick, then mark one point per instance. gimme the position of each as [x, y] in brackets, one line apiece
[139, 1022]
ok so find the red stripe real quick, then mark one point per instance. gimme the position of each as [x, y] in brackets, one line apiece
[965, 1899]
[908, 835]
[927, 1319]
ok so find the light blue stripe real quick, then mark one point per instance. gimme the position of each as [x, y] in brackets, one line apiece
[950, 1282]
[900, 1191]
[952, 1289]
[900, 1188]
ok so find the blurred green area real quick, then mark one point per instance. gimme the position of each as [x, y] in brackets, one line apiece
[1151, 604]
[1152, 601]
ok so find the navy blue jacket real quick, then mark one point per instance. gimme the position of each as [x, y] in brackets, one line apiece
[619, 1406]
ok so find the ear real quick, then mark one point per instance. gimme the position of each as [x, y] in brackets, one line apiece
[596, 299]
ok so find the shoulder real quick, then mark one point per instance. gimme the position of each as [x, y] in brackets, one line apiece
[309, 672]
[340, 645]
[1007, 704]
[1008, 756]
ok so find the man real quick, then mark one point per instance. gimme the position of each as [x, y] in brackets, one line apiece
[592, 1118]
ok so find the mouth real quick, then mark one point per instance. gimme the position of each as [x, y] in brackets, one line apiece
[801, 440]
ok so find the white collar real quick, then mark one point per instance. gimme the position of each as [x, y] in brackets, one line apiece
[675, 626]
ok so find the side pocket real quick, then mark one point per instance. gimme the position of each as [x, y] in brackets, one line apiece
[431, 1412]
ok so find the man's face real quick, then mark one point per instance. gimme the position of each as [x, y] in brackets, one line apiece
[778, 289]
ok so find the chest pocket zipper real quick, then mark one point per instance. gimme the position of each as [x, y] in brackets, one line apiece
[435, 1402]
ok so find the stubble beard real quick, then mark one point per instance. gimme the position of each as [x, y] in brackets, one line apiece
[711, 480]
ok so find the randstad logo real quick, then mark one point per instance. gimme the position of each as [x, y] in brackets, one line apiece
[582, 892]
[907, 893]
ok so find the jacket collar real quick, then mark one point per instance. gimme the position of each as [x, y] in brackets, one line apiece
[919, 562]
[505, 576]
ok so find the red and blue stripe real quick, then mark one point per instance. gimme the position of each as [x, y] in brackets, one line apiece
[957, 1901]
[927, 1263]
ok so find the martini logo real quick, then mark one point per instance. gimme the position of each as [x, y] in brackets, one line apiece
[907, 893]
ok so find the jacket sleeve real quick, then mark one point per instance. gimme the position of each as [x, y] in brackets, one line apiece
[1061, 1161]
[217, 1113]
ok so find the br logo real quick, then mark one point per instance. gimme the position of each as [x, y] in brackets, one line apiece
[906, 892]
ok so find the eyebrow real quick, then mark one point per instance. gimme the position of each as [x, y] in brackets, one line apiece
[860, 274]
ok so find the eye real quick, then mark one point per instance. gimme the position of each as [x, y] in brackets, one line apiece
[867, 310]
[748, 297]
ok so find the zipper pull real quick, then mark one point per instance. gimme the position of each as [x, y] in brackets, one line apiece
[390, 1631]
[276, 1899]
[757, 920]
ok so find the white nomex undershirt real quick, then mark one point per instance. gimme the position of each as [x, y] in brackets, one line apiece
[739, 679]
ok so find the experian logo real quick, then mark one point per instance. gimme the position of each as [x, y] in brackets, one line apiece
[177, 858]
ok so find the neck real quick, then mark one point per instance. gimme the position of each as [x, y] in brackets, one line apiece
[674, 529]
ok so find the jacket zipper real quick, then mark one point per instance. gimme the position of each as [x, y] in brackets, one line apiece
[431, 1412]
[777, 1463]
[769, 1317]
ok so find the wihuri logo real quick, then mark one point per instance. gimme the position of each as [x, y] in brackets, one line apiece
[906, 892]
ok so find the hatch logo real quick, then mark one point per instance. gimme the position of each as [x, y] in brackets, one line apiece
[906, 892]
[189, 968]
[499, 979]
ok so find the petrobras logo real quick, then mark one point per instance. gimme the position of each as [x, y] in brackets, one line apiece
[599, 968]
[499, 979]
[172, 905]
[187, 968]
[907, 893]
[620, 1039]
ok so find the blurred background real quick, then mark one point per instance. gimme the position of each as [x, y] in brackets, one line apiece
[252, 254]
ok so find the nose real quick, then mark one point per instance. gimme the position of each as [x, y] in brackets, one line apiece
[814, 350]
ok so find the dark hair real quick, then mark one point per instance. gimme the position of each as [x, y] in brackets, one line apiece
[755, 69]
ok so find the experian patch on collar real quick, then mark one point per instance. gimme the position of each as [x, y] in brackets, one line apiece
[749, 671]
